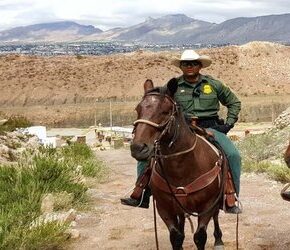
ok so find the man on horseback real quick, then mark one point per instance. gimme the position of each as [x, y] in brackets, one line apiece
[199, 97]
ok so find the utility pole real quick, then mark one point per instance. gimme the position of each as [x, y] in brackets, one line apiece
[111, 117]
[96, 102]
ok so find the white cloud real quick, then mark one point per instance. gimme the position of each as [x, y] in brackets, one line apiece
[113, 13]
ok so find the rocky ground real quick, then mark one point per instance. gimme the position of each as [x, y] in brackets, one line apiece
[13, 144]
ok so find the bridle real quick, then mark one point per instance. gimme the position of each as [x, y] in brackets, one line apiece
[165, 126]
[162, 124]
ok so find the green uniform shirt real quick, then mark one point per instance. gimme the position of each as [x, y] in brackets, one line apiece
[203, 98]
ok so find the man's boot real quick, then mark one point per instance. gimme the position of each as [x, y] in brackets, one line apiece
[143, 201]
[230, 202]
[141, 193]
[231, 207]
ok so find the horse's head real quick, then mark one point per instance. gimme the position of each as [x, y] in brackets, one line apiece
[154, 115]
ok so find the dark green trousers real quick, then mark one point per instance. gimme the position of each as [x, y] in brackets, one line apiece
[232, 154]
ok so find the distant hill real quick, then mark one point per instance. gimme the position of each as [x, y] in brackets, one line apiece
[177, 28]
[170, 28]
[182, 29]
[274, 28]
[58, 31]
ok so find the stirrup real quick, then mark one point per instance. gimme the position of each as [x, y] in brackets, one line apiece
[136, 203]
[233, 210]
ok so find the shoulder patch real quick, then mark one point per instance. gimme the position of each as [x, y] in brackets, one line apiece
[207, 89]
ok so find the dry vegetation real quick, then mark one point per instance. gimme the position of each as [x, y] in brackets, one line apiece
[47, 88]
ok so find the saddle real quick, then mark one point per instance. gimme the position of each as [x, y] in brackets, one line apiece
[229, 191]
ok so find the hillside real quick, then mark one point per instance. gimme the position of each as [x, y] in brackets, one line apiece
[57, 31]
[253, 69]
[174, 28]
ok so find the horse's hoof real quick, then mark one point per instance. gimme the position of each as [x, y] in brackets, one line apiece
[220, 247]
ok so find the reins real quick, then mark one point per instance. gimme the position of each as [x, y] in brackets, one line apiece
[178, 153]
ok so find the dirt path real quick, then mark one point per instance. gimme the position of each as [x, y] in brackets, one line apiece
[264, 223]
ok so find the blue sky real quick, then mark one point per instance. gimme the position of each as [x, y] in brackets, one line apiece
[106, 14]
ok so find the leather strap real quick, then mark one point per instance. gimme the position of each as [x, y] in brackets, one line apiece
[196, 185]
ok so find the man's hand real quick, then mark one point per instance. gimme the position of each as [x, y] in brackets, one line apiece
[225, 128]
[209, 133]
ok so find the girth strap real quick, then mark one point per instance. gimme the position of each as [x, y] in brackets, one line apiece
[201, 182]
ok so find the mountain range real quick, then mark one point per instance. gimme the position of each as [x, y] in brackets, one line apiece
[177, 29]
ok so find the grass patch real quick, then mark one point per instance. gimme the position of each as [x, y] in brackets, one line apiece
[274, 171]
[82, 156]
[263, 153]
[267, 146]
[23, 186]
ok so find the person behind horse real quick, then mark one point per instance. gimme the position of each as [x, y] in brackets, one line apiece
[199, 97]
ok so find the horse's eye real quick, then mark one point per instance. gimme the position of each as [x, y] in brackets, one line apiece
[165, 112]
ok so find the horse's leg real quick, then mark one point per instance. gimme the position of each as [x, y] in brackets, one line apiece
[175, 226]
[218, 244]
[176, 230]
[181, 222]
[200, 235]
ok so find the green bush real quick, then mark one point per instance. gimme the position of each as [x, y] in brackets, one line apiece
[23, 186]
[47, 236]
[77, 151]
[57, 176]
[269, 145]
[93, 168]
[81, 154]
[262, 153]
[274, 171]
[20, 198]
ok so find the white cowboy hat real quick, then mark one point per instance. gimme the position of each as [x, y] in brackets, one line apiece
[191, 55]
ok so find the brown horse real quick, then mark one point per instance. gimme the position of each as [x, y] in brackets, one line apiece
[286, 194]
[287, 155]
[188, 174]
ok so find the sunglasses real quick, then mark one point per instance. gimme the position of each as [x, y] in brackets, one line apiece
[189, 63]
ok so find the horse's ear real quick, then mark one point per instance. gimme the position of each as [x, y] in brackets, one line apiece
[148, 84]
[172, 86]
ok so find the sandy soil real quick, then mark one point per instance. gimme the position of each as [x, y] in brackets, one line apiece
[263, 225]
